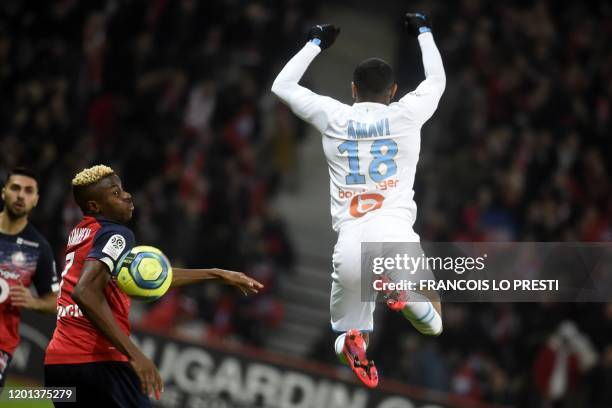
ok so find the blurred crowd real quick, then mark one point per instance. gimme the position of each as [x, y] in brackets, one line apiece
[520, 150]
[524, 124]
[173, 94]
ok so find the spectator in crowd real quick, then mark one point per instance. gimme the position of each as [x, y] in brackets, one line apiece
[174, 95]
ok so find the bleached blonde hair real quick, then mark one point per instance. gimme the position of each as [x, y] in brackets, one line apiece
[91, 175]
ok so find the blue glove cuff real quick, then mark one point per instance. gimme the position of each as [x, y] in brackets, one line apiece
[316, 41]
[424, 30]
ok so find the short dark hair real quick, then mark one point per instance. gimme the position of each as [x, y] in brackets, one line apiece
[22, 171]
[81, 195]
[373, 77]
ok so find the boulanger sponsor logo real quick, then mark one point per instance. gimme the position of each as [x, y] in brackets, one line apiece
[364, 203]
[489, 272]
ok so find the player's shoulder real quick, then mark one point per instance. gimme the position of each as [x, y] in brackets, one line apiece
[402, 110]
[30, 236]
[396, 105]
[111, 241]
[331, 104]
[109, 227]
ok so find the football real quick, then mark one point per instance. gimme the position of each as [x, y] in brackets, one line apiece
[144, 273]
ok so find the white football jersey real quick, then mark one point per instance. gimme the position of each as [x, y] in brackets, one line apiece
[372, 149]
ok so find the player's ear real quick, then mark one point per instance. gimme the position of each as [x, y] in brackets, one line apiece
[393, 91]
[353, 90]
[92, 207]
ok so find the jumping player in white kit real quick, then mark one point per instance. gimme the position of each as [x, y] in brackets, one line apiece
[372, 149]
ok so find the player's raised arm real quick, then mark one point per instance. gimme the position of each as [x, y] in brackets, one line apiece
[246, 284]
[423, 101]
[303, 102]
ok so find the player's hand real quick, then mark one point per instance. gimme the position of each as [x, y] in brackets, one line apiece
[22, 297]
[150, 380]
[417, 23]
[246, 284]
[323, 35]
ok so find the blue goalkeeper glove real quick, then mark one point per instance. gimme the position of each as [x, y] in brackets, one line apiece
[323, 35]
[417, 23]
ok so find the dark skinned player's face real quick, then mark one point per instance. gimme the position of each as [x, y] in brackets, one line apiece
[113, 202]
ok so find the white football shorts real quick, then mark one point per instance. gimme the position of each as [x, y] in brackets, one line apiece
[349, 307]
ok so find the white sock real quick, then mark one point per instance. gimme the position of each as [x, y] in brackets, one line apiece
[339, 346]
[423, 316]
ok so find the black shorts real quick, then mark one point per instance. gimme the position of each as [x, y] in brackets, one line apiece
[5, 360]
[99, 384]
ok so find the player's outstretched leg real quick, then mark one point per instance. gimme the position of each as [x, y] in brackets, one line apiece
[351, 349]
[418, 309]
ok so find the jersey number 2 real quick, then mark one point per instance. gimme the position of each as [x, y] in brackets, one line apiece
[351, 147]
